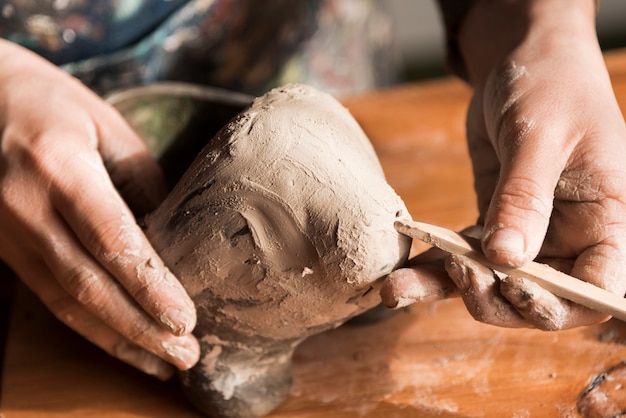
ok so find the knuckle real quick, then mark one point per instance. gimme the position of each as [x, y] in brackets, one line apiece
[140, 289]
[37, 152]
[139, 331]
[87, 288]
[63, 307]
[28, 165]
[479, 314]
[521, 197]
[88, 291]
[104, 237]
[112, 241]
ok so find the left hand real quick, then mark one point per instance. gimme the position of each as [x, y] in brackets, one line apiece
[71, 170]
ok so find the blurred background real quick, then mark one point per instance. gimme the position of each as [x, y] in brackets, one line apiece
[420, 42]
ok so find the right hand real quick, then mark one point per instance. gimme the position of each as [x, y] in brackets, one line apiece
[70, 167]
[546, 137]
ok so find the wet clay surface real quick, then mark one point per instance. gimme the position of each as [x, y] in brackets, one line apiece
[281, 228]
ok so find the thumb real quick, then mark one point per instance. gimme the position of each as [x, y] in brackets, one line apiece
[519, 212]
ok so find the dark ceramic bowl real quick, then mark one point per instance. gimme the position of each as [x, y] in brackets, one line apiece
[176, 120]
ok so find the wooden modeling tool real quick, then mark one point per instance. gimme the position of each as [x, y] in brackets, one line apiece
[558, 283]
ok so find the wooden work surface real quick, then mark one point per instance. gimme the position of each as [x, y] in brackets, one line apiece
[431, 360]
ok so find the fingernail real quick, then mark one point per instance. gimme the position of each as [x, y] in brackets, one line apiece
[144, 360]
[185, 354]
[399, 289]
[177, 321]
[505, 246]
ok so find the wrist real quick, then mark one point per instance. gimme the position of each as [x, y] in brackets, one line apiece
[493, 31]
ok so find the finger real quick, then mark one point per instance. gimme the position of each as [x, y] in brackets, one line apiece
[600, 263]
[39, 279]
[588, 227]
[423, 280]
[103, 336]
[89, 287]
[544, 310]
[107, 229]
[479, 288]
[406, 286]
[131, 166]
[79, 276]
[93, 289]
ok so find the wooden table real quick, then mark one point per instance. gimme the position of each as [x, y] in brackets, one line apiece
[431, 360]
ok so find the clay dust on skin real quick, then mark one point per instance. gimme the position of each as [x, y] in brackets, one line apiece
[149, 271]
[545, 307]
[504, 85]
[180, 353]
[508, 240]
[523, 127]
[129, 234]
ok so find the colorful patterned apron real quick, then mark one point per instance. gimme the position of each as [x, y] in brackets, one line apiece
[341, 46]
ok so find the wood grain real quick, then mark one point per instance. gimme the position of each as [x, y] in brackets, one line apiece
[432, 360]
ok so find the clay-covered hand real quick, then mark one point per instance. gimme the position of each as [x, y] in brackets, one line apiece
[66, 161]
[548, 146]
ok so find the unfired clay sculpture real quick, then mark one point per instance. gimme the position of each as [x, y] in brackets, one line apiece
[280, 229]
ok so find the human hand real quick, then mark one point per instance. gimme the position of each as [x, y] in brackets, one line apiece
[548, 146]
[69, 164]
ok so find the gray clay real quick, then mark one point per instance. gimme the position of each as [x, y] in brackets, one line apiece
[280, 229]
